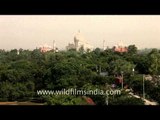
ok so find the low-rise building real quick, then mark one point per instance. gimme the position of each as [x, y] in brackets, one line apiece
[45, 48]
[120, 48]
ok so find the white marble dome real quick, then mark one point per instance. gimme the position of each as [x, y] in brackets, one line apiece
[79, 37]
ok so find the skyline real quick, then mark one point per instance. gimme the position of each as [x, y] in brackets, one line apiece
[31, 31]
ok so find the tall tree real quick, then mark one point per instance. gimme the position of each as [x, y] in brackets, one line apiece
[132, 49]
[154, 56]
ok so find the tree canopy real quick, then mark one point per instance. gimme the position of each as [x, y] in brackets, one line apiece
[23, 73]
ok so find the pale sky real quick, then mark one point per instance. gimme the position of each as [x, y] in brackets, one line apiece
[30, 31]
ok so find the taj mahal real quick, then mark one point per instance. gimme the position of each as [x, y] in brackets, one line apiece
[79, 42]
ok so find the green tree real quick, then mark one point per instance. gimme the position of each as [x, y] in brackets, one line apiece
[142, 64]
[126, 100]
[120, 65]
[154, 57]
[65, 100]
[132, 49]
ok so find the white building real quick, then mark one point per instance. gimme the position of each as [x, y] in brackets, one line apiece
[45, 48]
[80, 42]
[120, 47]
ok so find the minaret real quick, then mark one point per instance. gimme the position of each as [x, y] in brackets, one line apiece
[17, 52]
[76, 40]
[103, 44]
[54, 45]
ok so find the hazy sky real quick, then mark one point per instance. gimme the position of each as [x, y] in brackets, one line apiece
[30, 31]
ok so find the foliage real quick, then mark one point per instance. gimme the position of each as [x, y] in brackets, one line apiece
[23, 72]
[126, 100]
[65, 100]
[154, 57]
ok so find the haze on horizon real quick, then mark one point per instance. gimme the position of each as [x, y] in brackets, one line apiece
[30, 31]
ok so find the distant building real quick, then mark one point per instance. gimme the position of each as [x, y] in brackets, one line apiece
[104, 46]
[70, 46]
[54, 46]
[80, 42]
[45, 48]
[17, 52]
[56, 50]
[120, 48]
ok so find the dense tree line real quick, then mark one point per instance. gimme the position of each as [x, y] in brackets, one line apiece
[23, 73]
